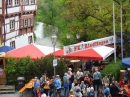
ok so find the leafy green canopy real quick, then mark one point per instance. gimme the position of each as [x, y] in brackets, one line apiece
[113, 68]
[29, 68]
[91, 18]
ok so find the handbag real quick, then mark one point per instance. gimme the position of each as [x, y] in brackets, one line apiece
[66, 85]
[84, 91]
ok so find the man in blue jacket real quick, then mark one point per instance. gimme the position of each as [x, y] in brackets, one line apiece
[57, 84]
[36, 84]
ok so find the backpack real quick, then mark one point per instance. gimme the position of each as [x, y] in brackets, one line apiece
[87, 79]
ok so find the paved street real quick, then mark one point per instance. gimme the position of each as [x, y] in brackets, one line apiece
[27, 93]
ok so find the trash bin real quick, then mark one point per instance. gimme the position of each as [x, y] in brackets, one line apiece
[20, 82]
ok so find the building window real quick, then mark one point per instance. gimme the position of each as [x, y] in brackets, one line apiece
[32, 1]
[30, 39]
[32, 21]
[22, 23]
[28, 22]
[9, 2]
[16, 2]
[12, 44]
[26, 2]
[12, 24]
[25, 23]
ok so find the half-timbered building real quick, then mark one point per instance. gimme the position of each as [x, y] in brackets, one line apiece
[17, 22]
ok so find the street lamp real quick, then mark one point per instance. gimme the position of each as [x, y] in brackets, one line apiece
[77, 36]
[53, 39]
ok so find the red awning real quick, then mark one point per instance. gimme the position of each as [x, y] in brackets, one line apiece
[33, 50]
[97, 53]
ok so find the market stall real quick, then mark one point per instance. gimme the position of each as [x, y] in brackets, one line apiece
[35, 51]
[97, 53]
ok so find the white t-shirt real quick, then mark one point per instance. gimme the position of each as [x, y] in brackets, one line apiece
[88, 89]
[79, 74]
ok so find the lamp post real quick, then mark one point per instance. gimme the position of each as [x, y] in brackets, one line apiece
[53, 39]
[77, 36]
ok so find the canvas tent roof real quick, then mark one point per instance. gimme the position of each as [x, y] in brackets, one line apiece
[33, 50]
[97, 53]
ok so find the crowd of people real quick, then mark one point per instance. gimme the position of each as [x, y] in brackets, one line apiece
[81, 84]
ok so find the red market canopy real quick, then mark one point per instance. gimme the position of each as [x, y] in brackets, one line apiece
[97, 53]
[35, 51]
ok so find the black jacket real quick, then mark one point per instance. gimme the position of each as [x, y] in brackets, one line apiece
[114, 90]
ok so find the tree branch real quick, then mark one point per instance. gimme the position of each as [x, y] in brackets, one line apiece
[117, 2]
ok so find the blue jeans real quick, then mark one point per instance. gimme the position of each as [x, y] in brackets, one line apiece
[34, 94]
[66, 92]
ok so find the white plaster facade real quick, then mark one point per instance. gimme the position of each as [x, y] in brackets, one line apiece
[20, 41]
[18, 13]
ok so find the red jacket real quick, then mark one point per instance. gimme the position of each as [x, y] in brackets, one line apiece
[128, 93]
[121, 83]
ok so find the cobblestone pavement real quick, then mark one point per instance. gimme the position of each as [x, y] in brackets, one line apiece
[27, 93]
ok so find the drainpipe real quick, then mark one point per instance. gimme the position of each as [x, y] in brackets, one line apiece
[4, 32]
[4, 23]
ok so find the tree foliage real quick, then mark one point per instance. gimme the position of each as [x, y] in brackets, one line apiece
[92, 19]
[49, 12]
[113, 68]
[29, 68]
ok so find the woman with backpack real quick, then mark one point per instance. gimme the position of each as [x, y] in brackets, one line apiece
[87, 80]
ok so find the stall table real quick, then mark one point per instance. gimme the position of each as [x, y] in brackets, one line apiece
[29, 85]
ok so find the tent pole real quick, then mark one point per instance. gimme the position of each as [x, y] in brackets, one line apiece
[114, 33]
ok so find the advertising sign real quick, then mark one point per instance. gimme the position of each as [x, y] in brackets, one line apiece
[87, 45]
[55, 62]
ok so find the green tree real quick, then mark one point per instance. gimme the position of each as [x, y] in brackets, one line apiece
[94, 19]
[49, 12]
[88, 18]
[29, 68]
[125, 22]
